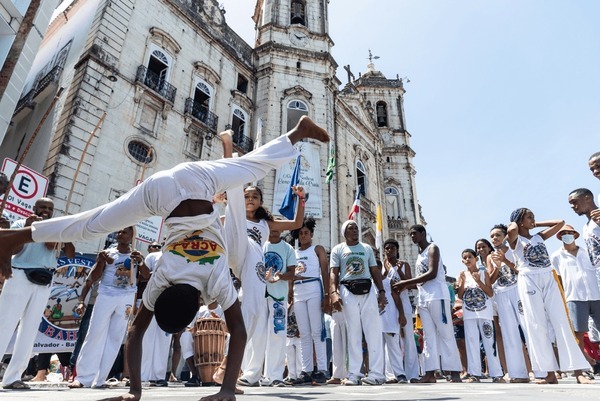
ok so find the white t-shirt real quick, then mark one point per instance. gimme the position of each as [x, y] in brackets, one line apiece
[353, 261]
[113, 284]
[531, 255]
[151, 260]
[591, 236]
[278, 257]
[476, 303]
[433, 289]
[578, 275]
[507, 278]
[33, 255]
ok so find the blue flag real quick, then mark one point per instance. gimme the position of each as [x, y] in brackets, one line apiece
[288, 206]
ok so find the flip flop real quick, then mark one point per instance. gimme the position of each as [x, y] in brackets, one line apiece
[18, 385]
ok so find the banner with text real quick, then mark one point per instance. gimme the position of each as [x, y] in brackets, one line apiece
[310, 179]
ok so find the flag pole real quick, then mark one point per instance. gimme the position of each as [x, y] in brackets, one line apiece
[359, 221]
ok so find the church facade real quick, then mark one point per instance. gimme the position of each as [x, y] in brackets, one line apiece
[149, 84]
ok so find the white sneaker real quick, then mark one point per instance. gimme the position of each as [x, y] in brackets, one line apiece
[371, 382]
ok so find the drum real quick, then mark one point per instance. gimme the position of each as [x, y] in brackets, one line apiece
[209, 346]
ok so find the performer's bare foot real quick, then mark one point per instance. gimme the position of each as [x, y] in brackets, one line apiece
[124, 397]
[227, 138]
[428, 378]
[11, 240]
[223, 395]
[549, 379]
[75, 384]
[307, 129]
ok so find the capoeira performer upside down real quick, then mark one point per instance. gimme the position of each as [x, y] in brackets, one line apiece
[194, 260]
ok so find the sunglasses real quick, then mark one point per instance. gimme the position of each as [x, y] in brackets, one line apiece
[155, 246]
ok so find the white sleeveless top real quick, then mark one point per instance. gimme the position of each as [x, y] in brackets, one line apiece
[433, 289]
[308, 267]
[507, 278]
[531, 255]
[476, 303]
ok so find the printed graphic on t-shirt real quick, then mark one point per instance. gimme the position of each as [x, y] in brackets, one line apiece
[261, 271]
[196, 249]
[355, 266]
[507, 277]
[593, 246]
[536, 255]
[273, 262]
[122, 274]
[422, 267]
[300, 268]
[255, 235]
[474, 299]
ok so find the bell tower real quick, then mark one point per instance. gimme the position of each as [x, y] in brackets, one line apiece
[295, 76]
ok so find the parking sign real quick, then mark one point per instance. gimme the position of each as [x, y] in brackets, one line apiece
[27, 188]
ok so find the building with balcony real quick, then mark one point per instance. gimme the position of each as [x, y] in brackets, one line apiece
[166, 76]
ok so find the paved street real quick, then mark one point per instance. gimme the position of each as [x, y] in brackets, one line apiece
[567, 390]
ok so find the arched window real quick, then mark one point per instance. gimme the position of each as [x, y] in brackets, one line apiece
[295, 110]
[238, 121]
[297, 12]
[157, 70]
[392, 203]
[202, 95]
[361, 177]
[382, 119]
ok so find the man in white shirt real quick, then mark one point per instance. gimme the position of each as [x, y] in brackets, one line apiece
[579, 280]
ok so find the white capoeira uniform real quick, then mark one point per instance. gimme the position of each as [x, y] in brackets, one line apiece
[339, 345]
[278, 257]
[510, 316]
[543, 304]
[22, 303]
[254, 304]
[292, 347]
[393, 363]
[308, 297]
[158, 196]
[436, 318]
[361, 311]
[408, 345]
[478, 320]
[108, 324]
[156, 343]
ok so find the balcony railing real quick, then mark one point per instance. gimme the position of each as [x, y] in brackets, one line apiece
[201, 113]
[243, 142]
[25, 101]
[50, 78]
[156, 83]
[397, 224]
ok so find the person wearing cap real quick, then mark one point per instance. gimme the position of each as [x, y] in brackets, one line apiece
[353, 270]
[578, 277]
[542, 301]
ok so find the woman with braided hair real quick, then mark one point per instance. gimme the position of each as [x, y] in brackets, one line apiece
[310, 302]
[542, 300]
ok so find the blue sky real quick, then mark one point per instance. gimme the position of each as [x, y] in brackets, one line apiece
[503, 101]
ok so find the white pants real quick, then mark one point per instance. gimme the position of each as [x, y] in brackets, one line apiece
[276, 339]
[362, 314]
[485, 327]
[339, 345]
[310, 323]
[393, 355]
[543, 304]
[108, 326]
[255, 317]
[156, 345]
[510, 318]
[187, 345]
[22, 303]
[293, 356]
[438, 337]
[408, 345]
[159, 194]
